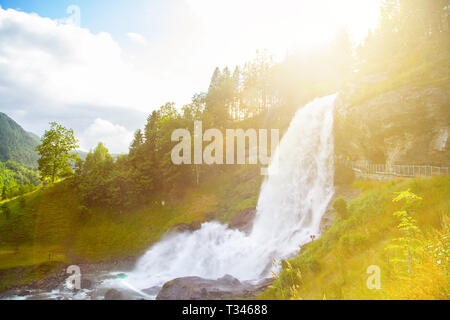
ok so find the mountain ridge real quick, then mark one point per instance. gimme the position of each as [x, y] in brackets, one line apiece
[17, 144]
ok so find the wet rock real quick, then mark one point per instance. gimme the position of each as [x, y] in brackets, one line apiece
[113, 294]
[86, 284]
[225, 288]
[24, 293]
[243, 220]
[152, 291]
[183, 227]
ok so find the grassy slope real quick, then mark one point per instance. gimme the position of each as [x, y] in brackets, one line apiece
[334, 266]
[51, 228]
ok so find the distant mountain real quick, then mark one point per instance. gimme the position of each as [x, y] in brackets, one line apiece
[16, 144]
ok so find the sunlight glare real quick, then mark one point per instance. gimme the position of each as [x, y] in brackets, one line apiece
[284, 25]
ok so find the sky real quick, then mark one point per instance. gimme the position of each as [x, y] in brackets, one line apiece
[101, 66]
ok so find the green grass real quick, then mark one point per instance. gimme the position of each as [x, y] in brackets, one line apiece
[334, 266]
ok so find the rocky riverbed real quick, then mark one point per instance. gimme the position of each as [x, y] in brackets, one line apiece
[54, 285]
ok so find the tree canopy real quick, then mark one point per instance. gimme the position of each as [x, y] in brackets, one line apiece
[56, 152]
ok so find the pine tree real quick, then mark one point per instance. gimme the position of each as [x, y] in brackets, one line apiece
[236, 92]
[138, 141]
[216, 78]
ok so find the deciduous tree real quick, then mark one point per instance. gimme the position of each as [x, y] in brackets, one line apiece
[56, 151]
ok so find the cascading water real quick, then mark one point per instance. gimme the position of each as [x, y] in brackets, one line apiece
[291, 204]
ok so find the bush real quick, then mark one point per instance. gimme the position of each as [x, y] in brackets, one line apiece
[340, 205]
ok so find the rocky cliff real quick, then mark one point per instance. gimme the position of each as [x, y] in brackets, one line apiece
[409, 125]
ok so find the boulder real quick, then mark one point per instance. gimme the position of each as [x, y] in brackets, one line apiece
[225, 288]
[243, 220]
[113, 294]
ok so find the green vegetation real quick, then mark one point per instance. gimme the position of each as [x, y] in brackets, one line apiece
[18, 159]
[16, 144]
[334, 266]
[340, 206]
[409, 48]
[16, 180]
[52, 226]
[56, 152]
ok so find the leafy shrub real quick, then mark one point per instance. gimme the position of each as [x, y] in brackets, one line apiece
[340, 205]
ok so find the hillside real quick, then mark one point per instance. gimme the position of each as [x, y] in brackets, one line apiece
[50, 226]
[334, 266]
[16, 144]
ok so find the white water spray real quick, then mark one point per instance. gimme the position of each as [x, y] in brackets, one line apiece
[291, 204]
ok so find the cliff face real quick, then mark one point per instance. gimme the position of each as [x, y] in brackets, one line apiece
[410, 125]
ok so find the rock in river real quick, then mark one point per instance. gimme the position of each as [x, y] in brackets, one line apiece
[195, 288]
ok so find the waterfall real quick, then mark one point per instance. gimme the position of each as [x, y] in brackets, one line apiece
[291, 204]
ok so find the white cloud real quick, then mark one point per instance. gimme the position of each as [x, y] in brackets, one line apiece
[137, 38]
[113, 136]
[65, 63]
[52, 70]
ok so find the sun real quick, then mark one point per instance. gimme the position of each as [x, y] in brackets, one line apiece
[283, 25]
[311, 23]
